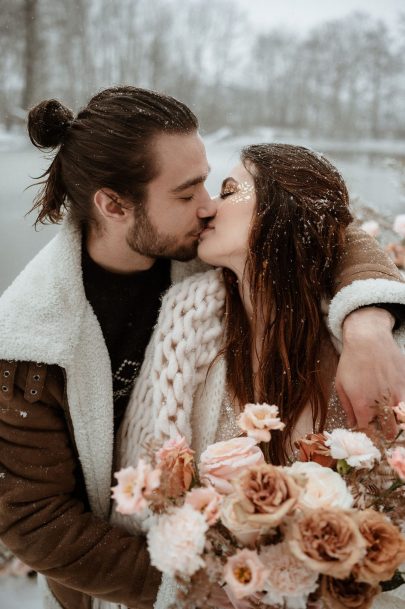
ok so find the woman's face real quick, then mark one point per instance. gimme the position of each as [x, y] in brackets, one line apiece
[225, 240]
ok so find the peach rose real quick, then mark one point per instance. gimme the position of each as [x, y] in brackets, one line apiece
[223, 461]
[205, 500]
[245, 573]
[257, 420]
[385, 548]
[267, 494]
[176, 461]
[397, 461]
[135, 487]
[347, 593]
[313, 448]
[327, 540]
[264, 495]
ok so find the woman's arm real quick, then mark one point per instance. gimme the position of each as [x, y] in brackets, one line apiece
[371, 366]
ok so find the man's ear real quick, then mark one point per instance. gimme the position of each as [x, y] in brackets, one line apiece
[110, 205]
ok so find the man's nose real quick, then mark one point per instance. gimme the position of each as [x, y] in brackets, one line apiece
[208, 208]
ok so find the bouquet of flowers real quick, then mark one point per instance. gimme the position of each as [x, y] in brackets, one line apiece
[321, 532]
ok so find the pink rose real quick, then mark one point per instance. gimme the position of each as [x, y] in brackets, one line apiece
[397, 461]
[135, 487]
[176, 461]
[207, 501]
[258, 419]
[245, 573]
[223, 461]
[399, 225]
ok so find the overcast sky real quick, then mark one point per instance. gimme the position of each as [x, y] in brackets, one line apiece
[303, 14]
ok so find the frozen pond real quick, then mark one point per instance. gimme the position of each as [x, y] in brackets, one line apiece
[367, 176]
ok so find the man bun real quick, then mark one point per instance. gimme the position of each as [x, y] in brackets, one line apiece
[48, 123]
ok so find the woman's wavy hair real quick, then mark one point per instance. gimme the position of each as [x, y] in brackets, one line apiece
[296, 241]
[108, 144]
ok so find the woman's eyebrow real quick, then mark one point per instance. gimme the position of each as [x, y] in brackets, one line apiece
[226, 182]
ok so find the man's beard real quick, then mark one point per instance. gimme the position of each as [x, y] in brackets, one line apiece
[146, 240]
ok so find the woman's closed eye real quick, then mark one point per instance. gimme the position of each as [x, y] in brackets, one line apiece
[226, 193]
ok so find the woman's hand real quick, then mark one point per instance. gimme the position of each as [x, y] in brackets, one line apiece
[371, 367]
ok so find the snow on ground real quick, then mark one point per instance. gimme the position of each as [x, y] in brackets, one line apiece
[19, 593]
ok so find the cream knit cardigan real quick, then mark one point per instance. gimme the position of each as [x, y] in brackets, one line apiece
[173, 394]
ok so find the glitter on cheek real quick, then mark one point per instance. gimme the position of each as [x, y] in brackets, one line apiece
[244, 193]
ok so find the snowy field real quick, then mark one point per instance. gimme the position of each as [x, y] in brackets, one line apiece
[19, 593]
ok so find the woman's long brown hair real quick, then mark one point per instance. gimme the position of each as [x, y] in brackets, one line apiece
[296, 240]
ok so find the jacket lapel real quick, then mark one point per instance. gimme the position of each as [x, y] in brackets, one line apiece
[47, 318]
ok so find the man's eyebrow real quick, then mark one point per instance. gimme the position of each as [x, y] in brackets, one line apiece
[225, 182]
[192, 182]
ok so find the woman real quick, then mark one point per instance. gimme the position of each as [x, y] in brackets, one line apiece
[254, 331]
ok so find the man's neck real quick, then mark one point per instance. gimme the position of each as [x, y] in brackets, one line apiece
[115, 256]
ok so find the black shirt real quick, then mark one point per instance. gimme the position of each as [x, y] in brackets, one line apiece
[127, 307]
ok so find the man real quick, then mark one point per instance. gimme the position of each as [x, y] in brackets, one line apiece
[130, 170]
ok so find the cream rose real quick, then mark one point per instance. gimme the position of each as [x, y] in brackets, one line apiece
[327, 540]
[223, 461]
[323, 487]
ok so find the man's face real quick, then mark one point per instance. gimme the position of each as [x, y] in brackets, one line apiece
[169, 223]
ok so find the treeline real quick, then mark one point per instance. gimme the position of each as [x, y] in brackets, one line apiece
[346, 78]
